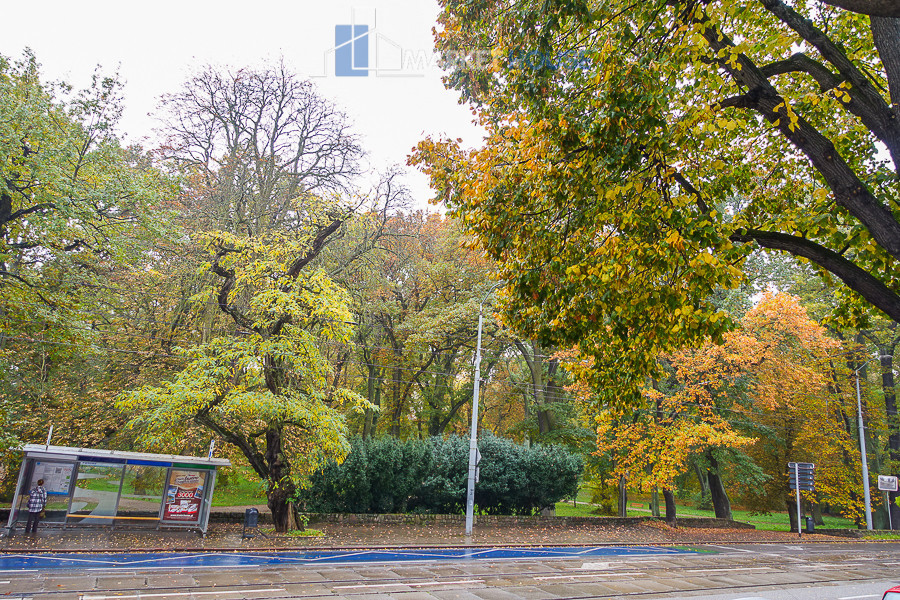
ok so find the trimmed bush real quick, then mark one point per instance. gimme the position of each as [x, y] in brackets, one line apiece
[429, 476]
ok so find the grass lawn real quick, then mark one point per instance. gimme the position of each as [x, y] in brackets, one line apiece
[239, 492]
[778, 521]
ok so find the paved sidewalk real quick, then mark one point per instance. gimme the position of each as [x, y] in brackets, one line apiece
[227, 536]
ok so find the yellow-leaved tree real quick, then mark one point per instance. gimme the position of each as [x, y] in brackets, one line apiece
[267, 388]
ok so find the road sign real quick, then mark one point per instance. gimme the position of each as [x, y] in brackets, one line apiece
[887, 483]
[802, 476]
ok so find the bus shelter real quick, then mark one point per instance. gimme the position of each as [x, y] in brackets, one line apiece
[90, 487]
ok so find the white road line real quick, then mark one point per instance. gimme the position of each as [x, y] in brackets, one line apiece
[550, 577]
[725, 570]
[829, 565]
[182, 593]
[735, 549]
[17, 570]
[774, 554]
[2, 582]
[856, 597]
[407, 584]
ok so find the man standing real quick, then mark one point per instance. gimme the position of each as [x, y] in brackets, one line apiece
[37, 500]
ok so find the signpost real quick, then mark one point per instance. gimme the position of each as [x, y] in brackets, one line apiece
[887, 484]
[801, 477]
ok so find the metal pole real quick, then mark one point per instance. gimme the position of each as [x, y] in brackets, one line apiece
[797, 479]
[887, 503]
[862, 450]
[473, 436]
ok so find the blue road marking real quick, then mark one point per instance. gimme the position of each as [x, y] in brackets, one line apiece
[174, 560]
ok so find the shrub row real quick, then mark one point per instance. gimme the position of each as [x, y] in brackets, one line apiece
[429, 476]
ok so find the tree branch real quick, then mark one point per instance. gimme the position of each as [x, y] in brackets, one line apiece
[230, 309]
[856, 278]
[801, 63]
[874, 112]
[849, 191]
[877, 8]
[256, 460]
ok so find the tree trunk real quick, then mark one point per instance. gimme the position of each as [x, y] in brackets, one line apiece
[669, 497]
[281, 488]
[397, 412]
[720, 501]
[817, 514]
[654, 503]
[791, 503]
[373, 390]
[704, 485]
[623, 497]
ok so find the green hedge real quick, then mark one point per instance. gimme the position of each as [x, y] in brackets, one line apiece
[429, 476]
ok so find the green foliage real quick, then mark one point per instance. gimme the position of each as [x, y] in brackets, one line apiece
[393, 476]
[601, 187]
[77, 209]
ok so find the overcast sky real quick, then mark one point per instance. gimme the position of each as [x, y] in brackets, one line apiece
[156, 45]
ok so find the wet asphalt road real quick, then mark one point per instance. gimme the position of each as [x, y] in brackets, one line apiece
[845, 571]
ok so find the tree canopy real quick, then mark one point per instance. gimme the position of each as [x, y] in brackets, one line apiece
[637, 152]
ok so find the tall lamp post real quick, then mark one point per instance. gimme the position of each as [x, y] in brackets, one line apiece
[473, 436]
[862, 445]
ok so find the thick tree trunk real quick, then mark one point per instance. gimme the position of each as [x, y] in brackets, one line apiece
[671, 517]
[721, 503]
[281, 507]
[281, 488]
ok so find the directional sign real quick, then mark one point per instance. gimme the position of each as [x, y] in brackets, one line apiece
[887, 483]
[802, 476]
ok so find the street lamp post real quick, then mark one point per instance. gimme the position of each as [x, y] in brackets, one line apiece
[473, 436]
[862, 446]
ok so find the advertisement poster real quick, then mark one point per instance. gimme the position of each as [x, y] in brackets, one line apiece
[183, 495]
[57, 476]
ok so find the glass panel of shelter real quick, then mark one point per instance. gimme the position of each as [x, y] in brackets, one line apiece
[57, 478]
[95, 498]
[142, 494]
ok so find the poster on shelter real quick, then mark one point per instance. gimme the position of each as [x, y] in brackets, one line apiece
[57, 476]
[183, 495]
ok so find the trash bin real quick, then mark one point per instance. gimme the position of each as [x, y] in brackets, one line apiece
[810, 525]
[251, 523]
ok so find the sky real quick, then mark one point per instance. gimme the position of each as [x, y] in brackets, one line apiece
[155, 46]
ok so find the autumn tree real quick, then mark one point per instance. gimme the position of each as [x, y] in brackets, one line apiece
[268, 165]
[417, 309]
[251, 141]
[266, 389]
[76, 208]
[618, 133]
